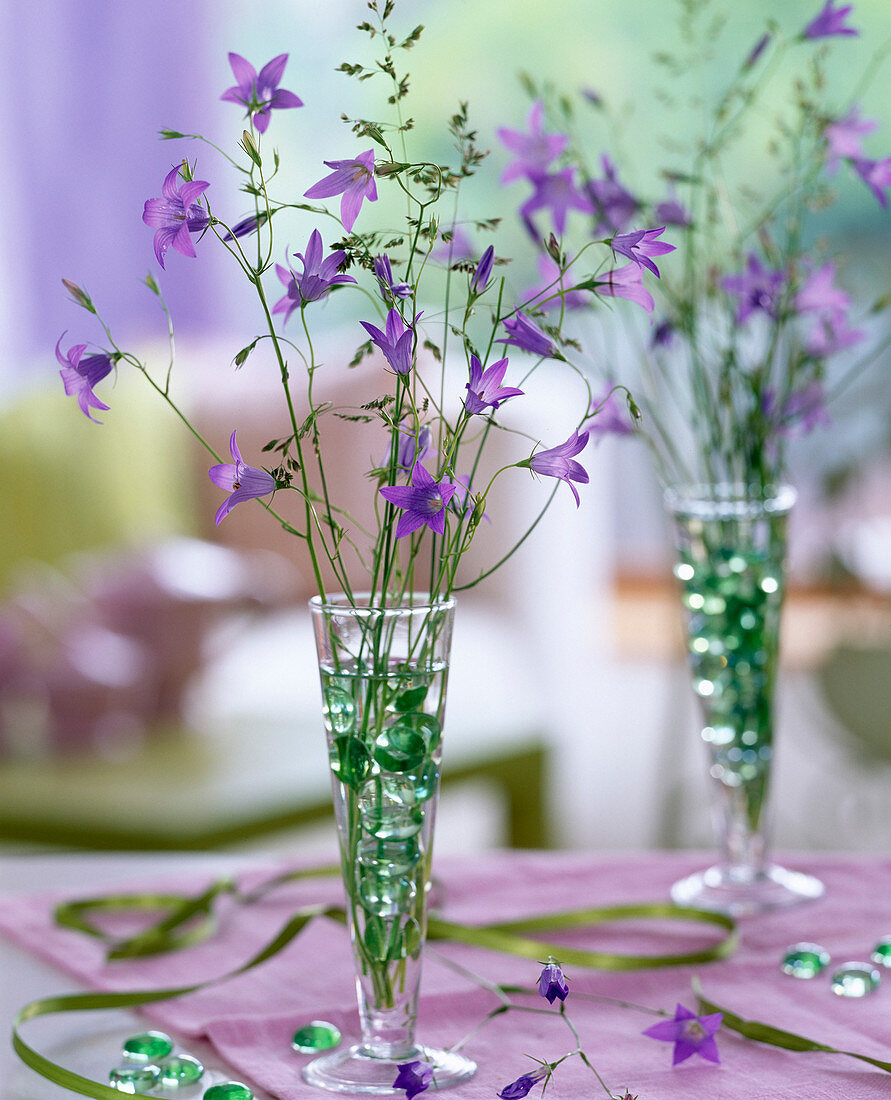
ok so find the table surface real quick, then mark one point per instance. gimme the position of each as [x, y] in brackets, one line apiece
[857, 908]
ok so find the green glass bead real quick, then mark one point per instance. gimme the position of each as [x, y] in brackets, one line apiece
[134, 1079]
[148, 1046]
[805, 960]
[855, 979]
[881, 953]
[314, 1036]
[350, 761]
[180, 1070]
[228, 1090]
[400, 749]
[339, 710]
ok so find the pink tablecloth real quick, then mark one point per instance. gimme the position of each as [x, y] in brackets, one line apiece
[251, 1018]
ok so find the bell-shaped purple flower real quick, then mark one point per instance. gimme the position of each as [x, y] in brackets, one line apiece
[80, 375]
[411, 450]
[559, 462]
[844, 137]
[424, 502]
[876, 174]
[260, 94]
[534, 151]
[552, 983]
[527, 336]
[414, 1077]
[396, 342]
[607, 417]
[317, 278]
[640, 245]
[625, 282]
[176, 214]
[516, 1090]
[672, 211]
[484, 390]
[691, 1034]
[354, 180]
[614, 205]
[390, 290]
[482, 276]
[757, 289]
[830, 21]
[243, 482]
[557, 192]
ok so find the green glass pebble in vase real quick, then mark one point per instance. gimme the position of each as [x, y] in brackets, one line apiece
[134, 1079]
[148, 1046]
[180, 1071]
[731, 543]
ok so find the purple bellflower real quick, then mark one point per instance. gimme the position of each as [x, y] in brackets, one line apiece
[396, 342]
[663, 334]
[484, 390]
[527, 336]
[757, 289]
[533, 151]
[459, 247]
[80, 375]
[673, 212]
[876, 174]
[411, 450]
[246, 226]
[390, 290]
[843, 137]
[625, 282]
[516, 1090]
[559, 462]
[607, 417]
[691, 1034]
[552, 282]
[757, 50]
[243, 482]
[414, 1077]
[463, 499]
[260, 94]
[318, 277]
[801, 412]
[640, 245]
[482, 276]
[176, 214]
[829, 22]
[552, 983]
[613, 204]
[354, 179]
[557, 192]
[424, 502]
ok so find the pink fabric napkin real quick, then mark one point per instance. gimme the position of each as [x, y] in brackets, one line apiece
[250, 1019]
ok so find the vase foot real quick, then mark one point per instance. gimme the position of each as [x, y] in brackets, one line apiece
[351, 1071]
[743, 893]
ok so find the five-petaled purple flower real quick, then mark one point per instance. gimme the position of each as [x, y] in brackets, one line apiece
[396, 342]
[260, 94]
[691, 1034]
[843, 137]
[414, 1077]
[757, 289]
[560, 462]
[317, 278]
[828, 305]
[354, 179]
[533, 151]
[80, 375]
[613, 204]
[482, 276]
[527, 336]
[552, 983]
[484, 390]
[390, 290]
[424, 502]
[176, 214]
[516, 1090]
[243, 482]
[640, 245]
[830, 21]
[625, 282]
[876, 174]
[557, 192]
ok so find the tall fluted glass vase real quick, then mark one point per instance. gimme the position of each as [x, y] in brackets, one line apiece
[731, 546]
[384, 673]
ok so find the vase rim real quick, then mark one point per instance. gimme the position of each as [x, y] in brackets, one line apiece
[360, 603]
[736, 498]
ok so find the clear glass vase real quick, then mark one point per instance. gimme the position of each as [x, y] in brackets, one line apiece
[731, 544]
[384, 674]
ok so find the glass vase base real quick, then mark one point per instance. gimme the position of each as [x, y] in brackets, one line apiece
[743, 894]
[352, 1071]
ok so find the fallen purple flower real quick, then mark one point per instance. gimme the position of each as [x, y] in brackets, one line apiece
[552, 983]
[484, 390]
[176, 214]
[830, 21]
[80, 375]
[396, 342]
[640, 245]
[414, 1077]
[533, 151]
[260, 94]
[559, 462]
[424, 502]
[243, 482]
[516, 1090]
[691, 1034]
[318, 277]
[354, 180]
[527, 336]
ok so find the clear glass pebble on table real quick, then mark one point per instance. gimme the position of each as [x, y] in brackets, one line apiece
[805, 960]
[855, 979]
[228, 1090]
[315, 1036]
[134, 1078]
[881, 953]
[179, 1071]
[149, 1046]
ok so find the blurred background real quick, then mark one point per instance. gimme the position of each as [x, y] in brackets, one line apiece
[157, 682]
